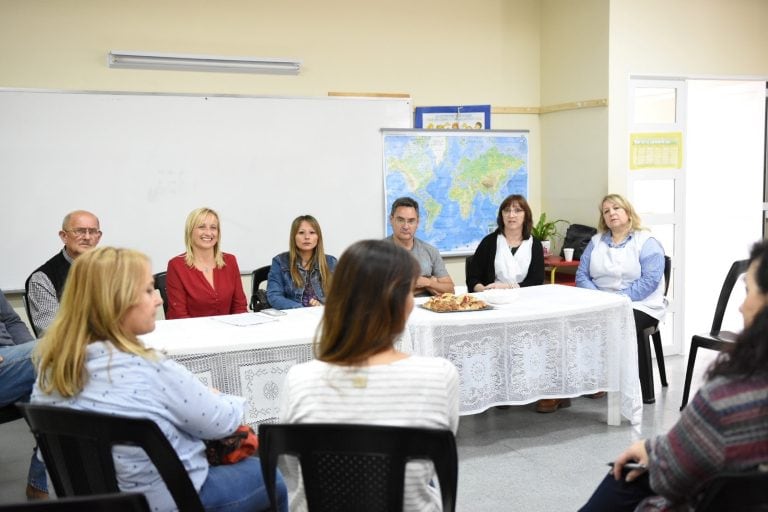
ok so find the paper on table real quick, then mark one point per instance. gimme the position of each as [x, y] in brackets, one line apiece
[245, 319]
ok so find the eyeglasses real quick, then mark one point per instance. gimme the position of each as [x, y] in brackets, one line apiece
[81, 232]
[410, 222]
[512, 211]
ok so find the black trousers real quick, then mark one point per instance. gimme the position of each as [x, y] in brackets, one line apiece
[617, 495]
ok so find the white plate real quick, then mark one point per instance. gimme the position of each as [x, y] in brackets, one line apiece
[501, 296]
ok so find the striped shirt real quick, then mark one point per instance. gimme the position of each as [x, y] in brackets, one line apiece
[412, 392]
[724, 428]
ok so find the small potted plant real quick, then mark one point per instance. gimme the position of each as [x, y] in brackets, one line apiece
[546, 231]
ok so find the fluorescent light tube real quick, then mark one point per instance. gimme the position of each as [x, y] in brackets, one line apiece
[187, 62]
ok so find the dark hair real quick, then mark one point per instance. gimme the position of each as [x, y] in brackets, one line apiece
[406, 202]
[527, 223]
[749, 355]
[365, 307]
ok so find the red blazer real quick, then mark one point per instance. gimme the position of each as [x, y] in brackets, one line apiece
[190, 295]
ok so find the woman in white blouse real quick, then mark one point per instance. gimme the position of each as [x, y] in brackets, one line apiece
[359, 376]
[510, 257]
[624, 258]
[91, 359]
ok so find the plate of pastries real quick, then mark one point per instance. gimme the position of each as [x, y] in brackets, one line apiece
[450, 303]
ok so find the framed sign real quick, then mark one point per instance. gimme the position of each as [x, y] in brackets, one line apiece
[468, 117]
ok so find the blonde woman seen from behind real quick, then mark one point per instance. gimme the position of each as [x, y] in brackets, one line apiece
[92, 359]
[359, 376]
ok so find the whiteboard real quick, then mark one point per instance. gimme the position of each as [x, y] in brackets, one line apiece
[142, 162]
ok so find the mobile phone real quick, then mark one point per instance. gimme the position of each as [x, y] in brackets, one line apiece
[629, 466]
[273, 312]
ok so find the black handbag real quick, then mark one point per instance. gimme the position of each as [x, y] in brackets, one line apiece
[577, 236]
[259, 300]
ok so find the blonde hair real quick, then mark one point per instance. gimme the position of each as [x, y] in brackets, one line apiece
[102, 285]
[318, 255]
[194, 218]
[635, 224]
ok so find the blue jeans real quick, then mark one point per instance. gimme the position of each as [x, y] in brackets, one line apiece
[17, 373]
[240, 488]
[17, 376]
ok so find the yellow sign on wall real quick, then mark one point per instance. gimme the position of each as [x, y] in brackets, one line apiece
[656, 150]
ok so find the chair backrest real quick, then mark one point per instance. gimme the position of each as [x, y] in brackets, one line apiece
[9, 413]
[29, 314]
[160, 286]
[349, 467]
[667, 273]
[259, 298]
[738, 268]
[467, 263]
[77, 448]
[118, 502]
[742, 491]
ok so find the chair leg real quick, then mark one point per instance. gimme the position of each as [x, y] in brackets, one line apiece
[689, 374]
[645, 369]
[660, 357]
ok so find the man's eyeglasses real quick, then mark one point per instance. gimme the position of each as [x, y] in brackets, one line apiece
[81, 232]
[410, 222]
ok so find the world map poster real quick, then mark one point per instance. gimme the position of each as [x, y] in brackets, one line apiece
[459, 179]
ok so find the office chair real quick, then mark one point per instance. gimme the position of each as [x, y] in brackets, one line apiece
[77, 448]
[347, 467]
[160, 286]
[118, 502]
[653, 334]
[715, 339]
[258, 296]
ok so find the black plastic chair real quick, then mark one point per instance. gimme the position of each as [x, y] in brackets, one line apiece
[349, 467]
[77, 448]
[652, 334]
[715, 339]
[258, 296]
[120, 502]
[467, 264]
[160, 286]
[737, 491]
[9, 413]
[29, 314]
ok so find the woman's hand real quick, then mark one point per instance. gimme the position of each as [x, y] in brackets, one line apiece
[635, 453]
[315, 302]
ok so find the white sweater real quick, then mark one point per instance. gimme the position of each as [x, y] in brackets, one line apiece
[412, 392]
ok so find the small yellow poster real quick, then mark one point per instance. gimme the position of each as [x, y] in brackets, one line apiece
[656, 150]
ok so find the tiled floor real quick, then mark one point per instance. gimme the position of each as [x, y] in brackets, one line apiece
[510, 459]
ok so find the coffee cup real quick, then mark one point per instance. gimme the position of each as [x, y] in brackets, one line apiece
[568, 253]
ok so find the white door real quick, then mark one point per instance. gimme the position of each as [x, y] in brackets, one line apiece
[707, 208]
[656, 181]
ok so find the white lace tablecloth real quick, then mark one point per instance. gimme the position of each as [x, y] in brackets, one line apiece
[249, 361]
[554, 341]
